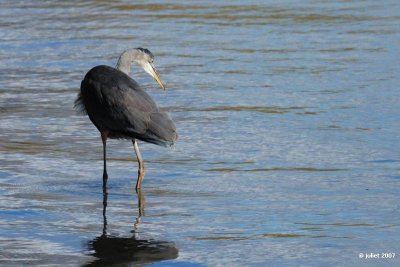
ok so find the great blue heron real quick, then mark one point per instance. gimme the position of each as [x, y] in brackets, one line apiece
[120, 108]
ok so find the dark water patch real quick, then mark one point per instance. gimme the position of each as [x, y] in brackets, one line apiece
[171, 193]
[388, 226]
[28, 147]
[334, 126]
[288, 235]
[237, 72]
[295, 17]
[339, 224]
[345, 129]
[308, 113]
[177, 161]
[156, 7]
[261, 236]
[220, 238]
[233, 163]
[37, 196]
[270, 110]
[173, 214]
[341, 18]
[312, 229]
[385, 161]
[293, 169]
[264, 50]
[374, 32]
[338, 50]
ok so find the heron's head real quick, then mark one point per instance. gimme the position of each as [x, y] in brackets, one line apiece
[144, 58]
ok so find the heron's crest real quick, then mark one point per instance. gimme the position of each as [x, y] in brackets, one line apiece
[146, 51]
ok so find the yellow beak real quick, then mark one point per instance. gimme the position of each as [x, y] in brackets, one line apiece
[152, 71]
[157, 78]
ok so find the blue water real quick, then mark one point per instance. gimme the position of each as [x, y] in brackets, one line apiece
[288, 117]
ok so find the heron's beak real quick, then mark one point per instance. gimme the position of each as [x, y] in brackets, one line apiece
[150, 69]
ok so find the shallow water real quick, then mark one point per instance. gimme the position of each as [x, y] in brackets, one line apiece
[288, 117]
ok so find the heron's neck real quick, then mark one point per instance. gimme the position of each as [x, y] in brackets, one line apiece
[126, 59]
[124, 64]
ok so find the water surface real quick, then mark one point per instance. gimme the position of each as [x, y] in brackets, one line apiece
[288, 117]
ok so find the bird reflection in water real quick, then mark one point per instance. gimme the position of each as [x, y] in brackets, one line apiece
[128, 251]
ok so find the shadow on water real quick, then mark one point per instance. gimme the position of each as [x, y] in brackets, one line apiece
[114, 250]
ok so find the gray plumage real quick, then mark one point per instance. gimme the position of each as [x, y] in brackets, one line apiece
[115, 102]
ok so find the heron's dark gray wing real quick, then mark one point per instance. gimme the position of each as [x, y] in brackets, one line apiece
[115, 109]
[116, 103]
[161, 130]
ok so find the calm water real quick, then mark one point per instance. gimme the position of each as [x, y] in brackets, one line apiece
[288, 116]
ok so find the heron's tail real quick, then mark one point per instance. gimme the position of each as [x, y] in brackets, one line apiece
[79, 105]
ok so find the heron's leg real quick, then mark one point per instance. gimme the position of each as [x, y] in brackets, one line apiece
[141, 204]
[105, 176]
[141, 170]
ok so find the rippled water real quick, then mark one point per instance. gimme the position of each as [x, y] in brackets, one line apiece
[288, 116]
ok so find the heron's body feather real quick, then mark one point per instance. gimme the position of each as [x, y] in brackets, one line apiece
[116, 103]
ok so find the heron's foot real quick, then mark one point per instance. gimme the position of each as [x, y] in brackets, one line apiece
[141, 173]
